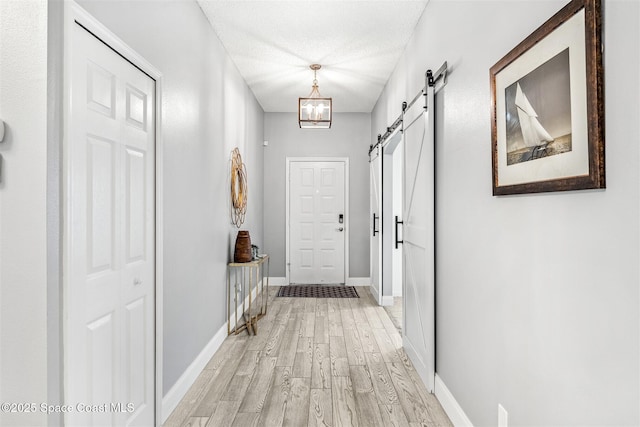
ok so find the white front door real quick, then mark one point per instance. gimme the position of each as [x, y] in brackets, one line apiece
[376, 221]
[317, 222]
[109, 238]
[418, 235]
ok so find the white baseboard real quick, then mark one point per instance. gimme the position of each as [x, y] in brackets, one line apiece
[186, 380]
[278, 281]
[374, 293]
[387, 300]
[358, 281]
[450, 405]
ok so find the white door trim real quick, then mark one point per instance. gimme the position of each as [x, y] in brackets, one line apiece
[345, 160]
[75, 13]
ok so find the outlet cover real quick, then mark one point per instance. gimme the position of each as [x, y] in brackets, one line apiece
[503, 417]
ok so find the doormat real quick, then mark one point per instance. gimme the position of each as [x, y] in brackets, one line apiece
[317, 291]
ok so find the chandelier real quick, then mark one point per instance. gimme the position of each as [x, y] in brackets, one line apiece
[314, 111]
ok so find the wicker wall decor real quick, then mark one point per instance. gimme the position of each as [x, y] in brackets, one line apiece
[239, 188]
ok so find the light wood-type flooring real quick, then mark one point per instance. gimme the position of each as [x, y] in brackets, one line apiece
[395, 312]
[315, 362]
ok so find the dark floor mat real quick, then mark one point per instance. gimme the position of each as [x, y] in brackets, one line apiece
[317, 291]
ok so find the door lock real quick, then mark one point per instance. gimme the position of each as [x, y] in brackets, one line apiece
[341, 219]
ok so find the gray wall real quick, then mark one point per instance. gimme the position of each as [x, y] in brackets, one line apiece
[537, 295]
[207, 111]
[349, 136]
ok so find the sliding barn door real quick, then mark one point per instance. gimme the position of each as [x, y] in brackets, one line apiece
[375, 226]
[418, 235]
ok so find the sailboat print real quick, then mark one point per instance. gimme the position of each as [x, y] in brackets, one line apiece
[533, 133]
[529, 134]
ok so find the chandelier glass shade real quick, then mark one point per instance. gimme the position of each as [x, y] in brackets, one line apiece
[314, 111]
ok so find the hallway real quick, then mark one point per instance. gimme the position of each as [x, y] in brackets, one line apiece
[315, 362]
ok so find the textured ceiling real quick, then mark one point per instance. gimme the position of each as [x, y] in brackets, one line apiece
[358, 44]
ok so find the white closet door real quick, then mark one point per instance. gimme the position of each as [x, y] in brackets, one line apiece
[110, 255]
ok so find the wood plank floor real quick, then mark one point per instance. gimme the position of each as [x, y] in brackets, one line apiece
[315, 362]
[395, 312]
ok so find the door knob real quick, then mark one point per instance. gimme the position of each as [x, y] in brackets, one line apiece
[341, 229]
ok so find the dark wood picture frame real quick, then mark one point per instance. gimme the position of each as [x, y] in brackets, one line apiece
[592, 133]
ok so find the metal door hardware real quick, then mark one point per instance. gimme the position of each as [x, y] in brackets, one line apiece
[375, 218]
[398, 241]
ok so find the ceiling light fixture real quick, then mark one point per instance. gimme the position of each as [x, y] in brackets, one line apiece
[314, 111]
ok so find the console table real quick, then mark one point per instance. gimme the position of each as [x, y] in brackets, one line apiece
[248, 291]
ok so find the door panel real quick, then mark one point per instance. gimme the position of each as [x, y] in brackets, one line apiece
[101, 366]
[316, 238]
[109, 249]
[391, 207]
[100, 203]
[135, 185]
[135, 315]
[375, 217]
[418, 247]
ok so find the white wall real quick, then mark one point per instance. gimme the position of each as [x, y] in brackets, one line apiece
[207, 111]
[348, 137]
[23, 198]
[537, 295]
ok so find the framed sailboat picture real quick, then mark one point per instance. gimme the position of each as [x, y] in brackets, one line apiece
[547, 116]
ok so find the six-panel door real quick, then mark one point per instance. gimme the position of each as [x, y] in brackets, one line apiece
[110, 256]
[316, 235]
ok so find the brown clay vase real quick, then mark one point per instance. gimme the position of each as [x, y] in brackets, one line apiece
[243, 247]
